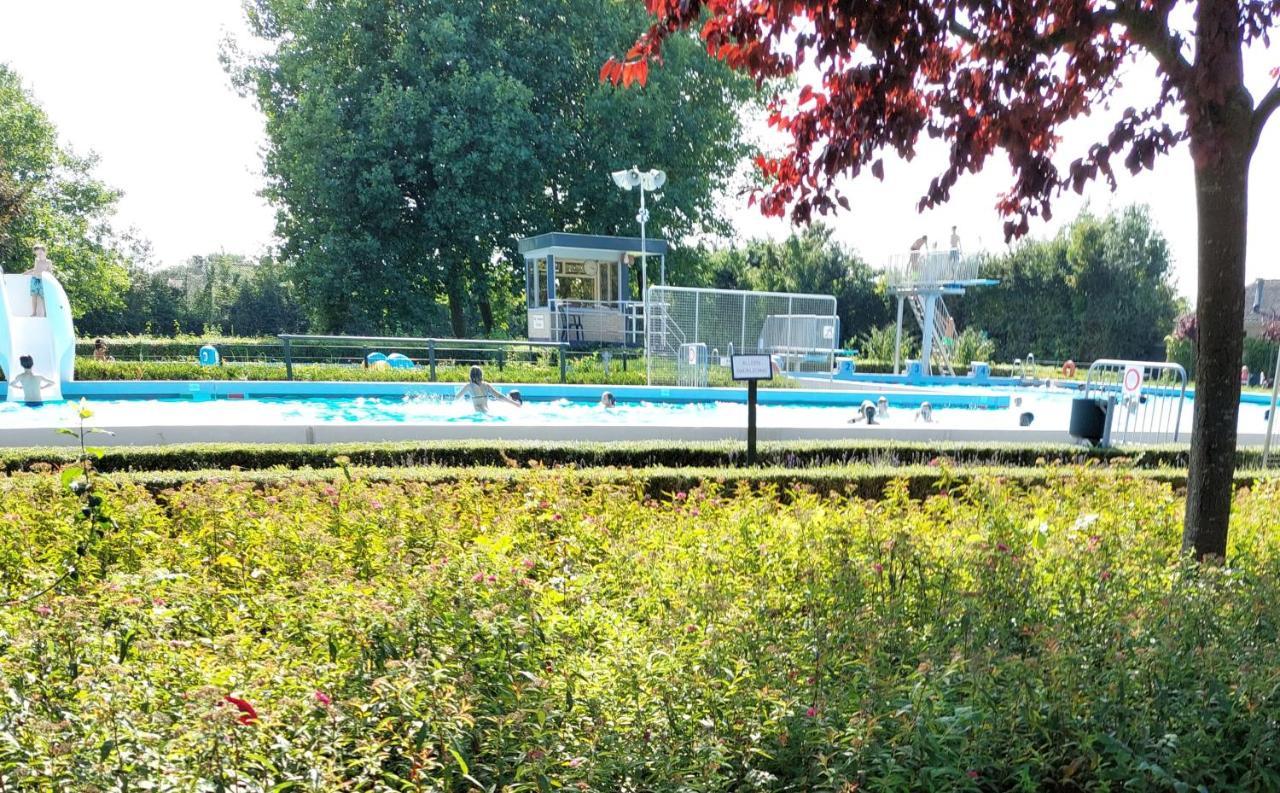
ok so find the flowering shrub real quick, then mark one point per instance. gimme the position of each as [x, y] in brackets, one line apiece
[553, 634]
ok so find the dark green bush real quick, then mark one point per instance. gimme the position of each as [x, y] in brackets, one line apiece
[792, 455]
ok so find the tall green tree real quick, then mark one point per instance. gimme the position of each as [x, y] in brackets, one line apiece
[48, 195]
[1101, 288]
[410, 143]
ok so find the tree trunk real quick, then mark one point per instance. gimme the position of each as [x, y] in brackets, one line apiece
[1221, 213]
[457, 306]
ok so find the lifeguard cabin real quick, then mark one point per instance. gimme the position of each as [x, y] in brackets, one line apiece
[580, 287]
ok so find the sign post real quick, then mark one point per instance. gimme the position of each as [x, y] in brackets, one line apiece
[753, 369]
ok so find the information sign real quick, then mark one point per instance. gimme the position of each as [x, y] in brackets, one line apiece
[752, 367]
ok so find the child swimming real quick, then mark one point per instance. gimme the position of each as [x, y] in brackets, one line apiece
[867, 413]
[607, 400]
[480, 392]
[925, 413]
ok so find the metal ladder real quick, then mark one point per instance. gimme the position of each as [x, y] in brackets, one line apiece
[941, 339]
[669, 333]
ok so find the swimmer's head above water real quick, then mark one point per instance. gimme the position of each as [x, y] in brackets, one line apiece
[866, 412]
[925, 413]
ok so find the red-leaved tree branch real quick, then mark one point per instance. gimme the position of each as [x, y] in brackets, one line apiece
[984, 77]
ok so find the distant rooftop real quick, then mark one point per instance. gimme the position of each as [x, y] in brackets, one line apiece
[1261, 304]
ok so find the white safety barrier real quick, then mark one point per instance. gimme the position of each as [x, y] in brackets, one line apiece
[1144, 399]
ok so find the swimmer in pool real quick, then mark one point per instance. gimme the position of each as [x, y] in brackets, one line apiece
[607, 400]
[925, 413]
[867, 413]
[481, 392]
[30, 382]
[882, 407]
[514, 396]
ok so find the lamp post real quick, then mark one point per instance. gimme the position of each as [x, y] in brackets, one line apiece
[647, 181]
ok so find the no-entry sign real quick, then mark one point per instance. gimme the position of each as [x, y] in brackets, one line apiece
[1132, 382]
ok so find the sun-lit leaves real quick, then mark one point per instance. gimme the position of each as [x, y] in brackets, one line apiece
[553, 633]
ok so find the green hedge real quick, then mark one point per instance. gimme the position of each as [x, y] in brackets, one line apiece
[557, 632]
[867, 481]
[581, 371]
[789, 455]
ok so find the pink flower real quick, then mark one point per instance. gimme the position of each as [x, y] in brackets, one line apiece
[492, 579]
[330, 490]
[557, 516]
[811, 712]
[973, 774]
[376, 504]
[879, 568]
[681, 496]
[323, 699]
[43, 610]
[528, 564]
[577, 761]
[1105, 575]
[477, 578]
[1002, 548]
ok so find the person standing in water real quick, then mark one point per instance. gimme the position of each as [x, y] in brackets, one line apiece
[481, 392]
[42, 266]
[30, 382]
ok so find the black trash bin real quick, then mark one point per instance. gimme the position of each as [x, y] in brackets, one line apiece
[1088, 419]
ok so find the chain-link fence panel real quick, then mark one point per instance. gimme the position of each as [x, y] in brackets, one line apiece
[690, 333]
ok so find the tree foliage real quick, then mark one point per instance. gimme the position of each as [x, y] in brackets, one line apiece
[810, 261]
[411, 143]
[1101, 288]
[1009, 76]
[48, 196]
[218, 293]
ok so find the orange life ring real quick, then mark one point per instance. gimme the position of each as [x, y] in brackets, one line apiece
[1069, 369]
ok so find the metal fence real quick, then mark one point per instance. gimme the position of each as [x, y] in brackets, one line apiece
[686, 325]
[930, 268]
[1144, 399]
[426, 352]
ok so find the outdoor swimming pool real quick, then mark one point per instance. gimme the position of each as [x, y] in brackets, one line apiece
[215, 413]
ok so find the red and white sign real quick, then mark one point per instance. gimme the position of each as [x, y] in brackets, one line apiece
[1132, 383]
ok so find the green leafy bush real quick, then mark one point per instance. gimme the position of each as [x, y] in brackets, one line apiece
[878, 344]
[557, 633]
[973, 345]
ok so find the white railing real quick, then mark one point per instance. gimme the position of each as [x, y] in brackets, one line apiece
[930, 268]
[1144, 399]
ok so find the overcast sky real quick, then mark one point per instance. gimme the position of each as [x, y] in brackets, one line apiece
[138, 82]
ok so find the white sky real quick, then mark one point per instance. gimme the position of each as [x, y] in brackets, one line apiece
[139, 83]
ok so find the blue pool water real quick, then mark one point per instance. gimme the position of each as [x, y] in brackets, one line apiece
[1050, 406]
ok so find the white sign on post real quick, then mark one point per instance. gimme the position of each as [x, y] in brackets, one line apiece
[1132, 382]
[752, 367]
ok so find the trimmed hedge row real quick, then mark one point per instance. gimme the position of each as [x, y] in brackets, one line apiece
[515, 454]
[869, 482]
